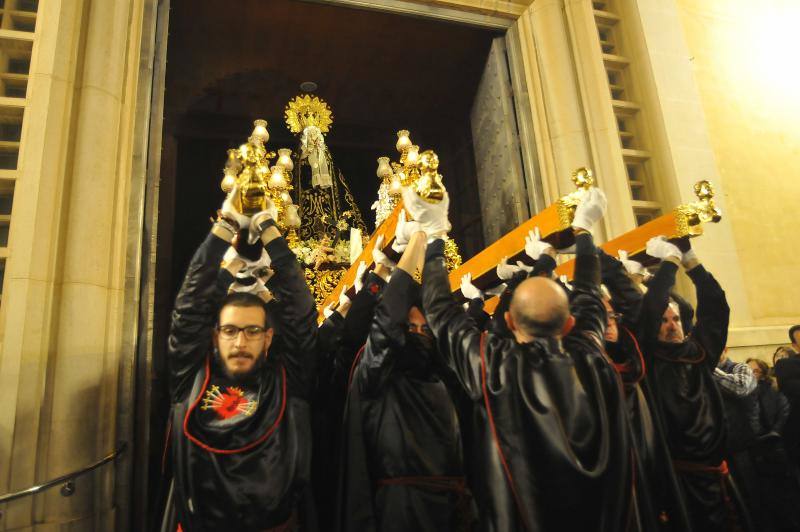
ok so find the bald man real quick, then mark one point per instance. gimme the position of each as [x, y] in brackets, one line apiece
[548, 418]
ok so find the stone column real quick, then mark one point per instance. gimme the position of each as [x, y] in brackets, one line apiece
[681, 135]
[62, 311]
[573, 122]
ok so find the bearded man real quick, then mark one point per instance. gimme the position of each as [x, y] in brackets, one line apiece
[240, 379]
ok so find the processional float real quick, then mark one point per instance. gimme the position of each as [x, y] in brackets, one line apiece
[325, 229]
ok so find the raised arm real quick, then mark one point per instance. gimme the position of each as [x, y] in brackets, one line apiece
[713, 314]
[626, 298]
[386, 339]
[457, 335]
[195, 312]
[655, 301]
[296, 322]
[586, 303]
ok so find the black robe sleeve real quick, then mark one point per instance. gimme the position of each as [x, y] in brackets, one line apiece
[194, 315]
[387, 332]
[586, 303]
[713, 314]
[655, 301]
[457, 335]
[476, 312]
[297, 320]
[625, 297]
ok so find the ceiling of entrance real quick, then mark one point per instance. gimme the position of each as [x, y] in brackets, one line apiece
[247, 58]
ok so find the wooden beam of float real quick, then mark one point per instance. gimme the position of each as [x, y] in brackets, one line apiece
[386, 230]
[683, 221]
[555, 227]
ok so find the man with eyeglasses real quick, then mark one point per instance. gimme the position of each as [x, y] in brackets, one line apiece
[402, 465]
[549, 416]
[240, 383]
[659, 503]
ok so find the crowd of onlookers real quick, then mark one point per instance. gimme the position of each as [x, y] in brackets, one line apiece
[762, 405]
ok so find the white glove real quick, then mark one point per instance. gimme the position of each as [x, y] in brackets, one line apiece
[469, 290]
[660, 248]
[343, 299]
[270, 211]
[565, 281]
[403, 232]
[506, 271]
[230, 256]
[431, 216]
[327, 311]
[534, 246]
[252, 266]
[688, 257]
[522, 266]
[256, 288]
[497, 290]
[631, 266]
[380, 257]
[359, 282]
[590, 209]
[230, 211]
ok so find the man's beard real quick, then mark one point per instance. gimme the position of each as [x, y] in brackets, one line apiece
[242, 377]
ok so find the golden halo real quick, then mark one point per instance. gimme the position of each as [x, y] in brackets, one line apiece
[306, 110]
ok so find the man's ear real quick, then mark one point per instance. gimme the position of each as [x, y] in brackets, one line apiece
[509, 321]
[568, 325]
[268, 338]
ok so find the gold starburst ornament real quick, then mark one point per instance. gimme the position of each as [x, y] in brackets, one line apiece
[306, 110]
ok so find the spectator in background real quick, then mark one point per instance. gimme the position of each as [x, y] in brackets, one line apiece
[778, 485]
[794, 337]
[773, 407]
[787, 371]
[737, 385]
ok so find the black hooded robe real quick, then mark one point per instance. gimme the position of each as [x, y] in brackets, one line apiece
[687, 399]
[402, 464]
[241, 450]
[549, 421]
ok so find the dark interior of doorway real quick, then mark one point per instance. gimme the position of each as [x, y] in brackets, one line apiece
[227, 66]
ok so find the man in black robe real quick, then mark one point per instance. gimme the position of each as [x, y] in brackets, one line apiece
[685, 396]
[659, 501]
[402, 468]
[549, 415]
[240, 417]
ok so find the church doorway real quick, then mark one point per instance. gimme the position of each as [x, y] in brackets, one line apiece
[228, 64]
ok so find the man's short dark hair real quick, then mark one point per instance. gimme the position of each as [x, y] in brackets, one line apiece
[792, 331]
[245, 299]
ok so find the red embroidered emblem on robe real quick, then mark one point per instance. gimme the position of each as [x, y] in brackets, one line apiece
[229, 403]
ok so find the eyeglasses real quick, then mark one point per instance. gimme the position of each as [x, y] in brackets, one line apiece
[614, 316]
[420, 329]
[231, 332]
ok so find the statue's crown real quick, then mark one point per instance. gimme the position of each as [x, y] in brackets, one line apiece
[306, 110]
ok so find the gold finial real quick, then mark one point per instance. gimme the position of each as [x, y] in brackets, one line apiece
[429, 186]
[691, 217]
[583, 178]
[249, 167]
[306, 110]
